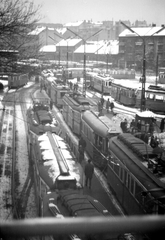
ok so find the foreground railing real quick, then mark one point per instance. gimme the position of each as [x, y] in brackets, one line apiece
[98, 225]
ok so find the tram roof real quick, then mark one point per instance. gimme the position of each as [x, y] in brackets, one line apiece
[49, 169]
[76, 100]
[102, 125]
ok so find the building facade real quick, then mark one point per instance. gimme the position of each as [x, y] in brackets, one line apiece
[140, 43]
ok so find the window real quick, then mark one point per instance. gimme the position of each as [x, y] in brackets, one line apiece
[132, 187]
[116, 168]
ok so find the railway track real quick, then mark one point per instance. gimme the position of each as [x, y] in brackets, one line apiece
[15, 178]
[7, 161]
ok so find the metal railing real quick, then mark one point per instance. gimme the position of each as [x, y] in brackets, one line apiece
[98, 225]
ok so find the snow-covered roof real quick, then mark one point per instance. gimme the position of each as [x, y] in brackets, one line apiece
[142, 31]
[110, 47]
[89, 48]
[37, 30]
[61, 30]
[70, 42]
[48, 48]
[73, 24]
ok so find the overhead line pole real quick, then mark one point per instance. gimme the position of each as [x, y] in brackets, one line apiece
[84, 64]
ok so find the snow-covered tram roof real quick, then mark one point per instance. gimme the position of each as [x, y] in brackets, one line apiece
[53, 149]
[130, 84]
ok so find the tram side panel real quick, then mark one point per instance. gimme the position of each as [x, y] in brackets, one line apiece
[130, 178]
[76, 122]
[123, 185]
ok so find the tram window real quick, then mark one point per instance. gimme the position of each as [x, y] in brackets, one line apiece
[128, 181]
[116, 168]
[96, 139]
[151, 96]
[159, 97]
[111, 161]
[121, 174]
[132, 187]
[62, 94]
[125, 177]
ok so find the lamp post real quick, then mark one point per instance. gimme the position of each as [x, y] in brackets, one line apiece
[59, 57]
[67, 53]
[143, 100]
[84, 64]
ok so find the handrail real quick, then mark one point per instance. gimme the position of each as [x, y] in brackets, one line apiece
[98, 225]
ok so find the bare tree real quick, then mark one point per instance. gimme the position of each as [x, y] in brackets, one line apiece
[17, 19]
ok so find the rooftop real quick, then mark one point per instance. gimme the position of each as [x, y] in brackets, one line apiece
[143, 31]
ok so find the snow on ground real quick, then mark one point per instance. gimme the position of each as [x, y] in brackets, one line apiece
[23, 162]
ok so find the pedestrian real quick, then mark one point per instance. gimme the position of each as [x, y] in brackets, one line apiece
[51, 104]
[151, 127]
[139, 126]
[107, 105]
[82, 143]
[81, 147]
[162, 124]
[112, 106]
[89, 170]
[81, 154]
[124, 126]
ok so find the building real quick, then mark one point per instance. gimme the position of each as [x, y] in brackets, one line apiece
[133, 43]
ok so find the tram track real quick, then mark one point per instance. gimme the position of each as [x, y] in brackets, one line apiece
[13, 193]
[7, 160]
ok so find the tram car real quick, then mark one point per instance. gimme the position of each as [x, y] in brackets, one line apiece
[73, 106]
[71, 73]
[136, 175]
[56, 89]
[74, 203]
[17, 80]
[40, 118]
[122, 73]
[155, 98]
[57, 167]
[96, 131]
[126, 92]
[100, 82]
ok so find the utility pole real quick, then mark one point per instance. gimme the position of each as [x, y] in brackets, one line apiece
[84, 64]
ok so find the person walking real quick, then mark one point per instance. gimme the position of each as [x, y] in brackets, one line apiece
[107, 105]
[51, 104]
[162, 124]
[82, 146]
[112, 106]
[89, 170]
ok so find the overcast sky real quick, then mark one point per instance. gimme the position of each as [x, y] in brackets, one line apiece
[63, 11]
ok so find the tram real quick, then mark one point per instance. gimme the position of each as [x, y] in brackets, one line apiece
[56, 89]
[100, 82]
[73, 106]
[128, 93]
[136, 175]
[96, 131]
[75, 72]
[40, 118]
[17, 80]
